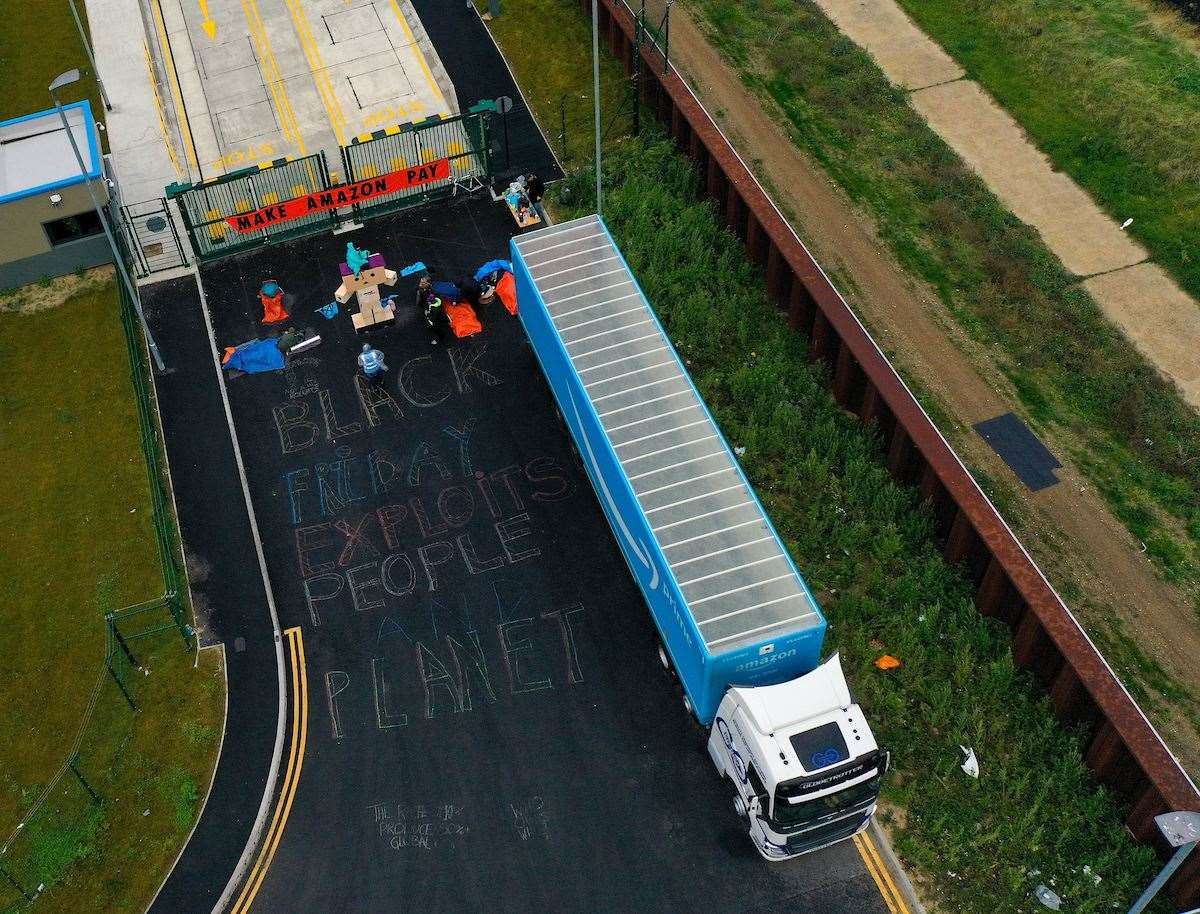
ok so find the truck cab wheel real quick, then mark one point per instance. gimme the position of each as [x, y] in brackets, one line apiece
[739, 806]
[687, 705]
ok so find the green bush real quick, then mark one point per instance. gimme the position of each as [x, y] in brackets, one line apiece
[865, 545]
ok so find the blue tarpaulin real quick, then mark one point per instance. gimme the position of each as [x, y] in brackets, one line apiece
[491, 267]
[449, 290]
[261, 355]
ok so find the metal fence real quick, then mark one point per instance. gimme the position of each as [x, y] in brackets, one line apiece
[463, 140]
[205, 207]
[153, 240]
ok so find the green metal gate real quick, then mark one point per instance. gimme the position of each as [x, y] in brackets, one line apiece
[462, 139]
[207, 205]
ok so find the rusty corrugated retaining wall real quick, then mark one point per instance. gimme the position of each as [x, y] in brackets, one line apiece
[1122, 749]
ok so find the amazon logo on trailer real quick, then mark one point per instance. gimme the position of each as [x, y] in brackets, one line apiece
[339, 196]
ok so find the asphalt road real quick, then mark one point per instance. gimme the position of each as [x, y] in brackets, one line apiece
[227, 592]
[486, 727]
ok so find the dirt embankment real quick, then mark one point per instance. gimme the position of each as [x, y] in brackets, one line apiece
[50, 293]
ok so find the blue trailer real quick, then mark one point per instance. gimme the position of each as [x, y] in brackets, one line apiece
[727, 599]
[740, 627]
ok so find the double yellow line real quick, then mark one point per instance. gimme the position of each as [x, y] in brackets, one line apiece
[272, 75]
[333, 107]
[283, 807]
[880, 873]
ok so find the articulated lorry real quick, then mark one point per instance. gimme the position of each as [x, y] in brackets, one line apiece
[738, 626]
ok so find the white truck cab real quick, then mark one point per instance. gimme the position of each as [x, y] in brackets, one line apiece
[803, 762]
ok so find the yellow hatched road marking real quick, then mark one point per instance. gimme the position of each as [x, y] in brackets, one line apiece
[271, 73]
[291, 779]
[189, 145]
[420, 57]
[320, 73]
[879, 872]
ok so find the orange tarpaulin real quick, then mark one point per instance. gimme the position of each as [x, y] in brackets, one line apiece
[273, 307]
[462, 319]
[506, 288]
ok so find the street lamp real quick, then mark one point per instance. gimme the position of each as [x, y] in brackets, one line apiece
[87, 49]
[1182, 831]
[66, 79]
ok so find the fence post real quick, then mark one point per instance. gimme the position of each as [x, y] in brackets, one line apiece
[86, 786]
[121, 686]
[562, 120]
[8, 877]
[120, 639]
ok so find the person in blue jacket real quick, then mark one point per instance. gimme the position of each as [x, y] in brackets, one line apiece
[370, 360]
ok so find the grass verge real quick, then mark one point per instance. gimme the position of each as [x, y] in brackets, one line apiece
[866, 546]
[38, 42]
[548, 72]
[1127, 430]
[1109, 91]
[76, 540]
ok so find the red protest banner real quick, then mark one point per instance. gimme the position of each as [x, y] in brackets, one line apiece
[341, 195]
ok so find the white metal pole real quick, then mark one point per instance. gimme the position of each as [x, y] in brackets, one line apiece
[1161, 879]
[87, 49]
[596, 100]
[112, 242]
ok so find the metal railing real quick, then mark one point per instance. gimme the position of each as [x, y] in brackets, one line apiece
[207, 206]
[462, 140]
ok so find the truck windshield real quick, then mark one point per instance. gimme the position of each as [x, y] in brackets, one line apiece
[789, 815]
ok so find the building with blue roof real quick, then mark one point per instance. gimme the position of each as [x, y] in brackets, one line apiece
[48, 225]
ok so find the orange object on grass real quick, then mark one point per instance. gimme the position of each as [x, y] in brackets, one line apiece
[506, 288]
[463, 320]
[888, 662]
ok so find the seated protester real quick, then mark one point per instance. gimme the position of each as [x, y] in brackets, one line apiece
[446, 290]
[535, 190]
[469, 291]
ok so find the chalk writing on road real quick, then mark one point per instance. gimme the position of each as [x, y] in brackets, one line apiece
[312, 413]
[444, 827]
[421, 549]
[446, 663]
[420, 827]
